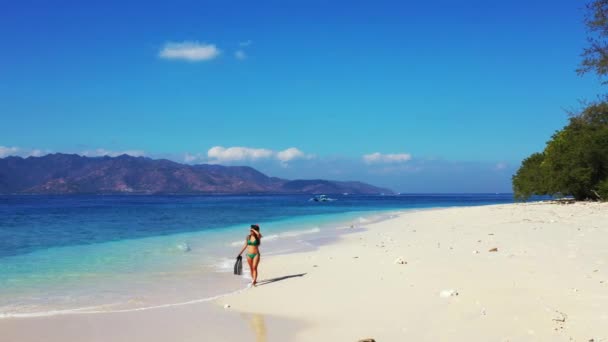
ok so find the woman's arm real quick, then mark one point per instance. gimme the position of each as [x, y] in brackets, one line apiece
[242, 249]
[258, 234]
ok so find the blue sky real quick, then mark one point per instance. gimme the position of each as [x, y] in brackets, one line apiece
[447, 96]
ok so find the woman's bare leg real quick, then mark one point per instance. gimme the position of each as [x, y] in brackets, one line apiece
[250, 262]
[256, 262]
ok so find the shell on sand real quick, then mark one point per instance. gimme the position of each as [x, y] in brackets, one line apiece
[400, 261]
[448, 293]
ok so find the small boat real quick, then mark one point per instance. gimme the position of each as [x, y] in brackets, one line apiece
[322, 198]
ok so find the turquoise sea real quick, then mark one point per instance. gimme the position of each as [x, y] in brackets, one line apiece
[78, 254]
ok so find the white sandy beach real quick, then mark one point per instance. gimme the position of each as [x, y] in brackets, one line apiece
[547, 281]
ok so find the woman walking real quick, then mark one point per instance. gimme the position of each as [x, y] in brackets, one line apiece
[252, 244]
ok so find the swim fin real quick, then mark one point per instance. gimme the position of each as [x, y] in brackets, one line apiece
[238, 265]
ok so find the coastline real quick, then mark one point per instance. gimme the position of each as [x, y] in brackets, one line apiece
[550, 261]
[200, 269]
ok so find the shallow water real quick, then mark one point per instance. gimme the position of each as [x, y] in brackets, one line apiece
[70, 254]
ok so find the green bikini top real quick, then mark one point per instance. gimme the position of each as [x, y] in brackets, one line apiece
[255, 242]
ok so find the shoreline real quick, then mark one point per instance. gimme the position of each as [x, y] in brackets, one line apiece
[326, 228]
[352, 289]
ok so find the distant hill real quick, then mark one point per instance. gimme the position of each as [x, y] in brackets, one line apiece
[74, 174]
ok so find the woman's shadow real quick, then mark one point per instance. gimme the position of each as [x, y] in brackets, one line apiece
[272, 280]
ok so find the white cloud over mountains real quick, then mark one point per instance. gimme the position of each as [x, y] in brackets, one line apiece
[221, 154]
[100, 152]
[377, 158]
[290, 154]
[6, 151]
[189, 51]
[191, 158]
[237, 153]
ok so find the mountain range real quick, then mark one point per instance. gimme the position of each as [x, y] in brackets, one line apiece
[61, 173]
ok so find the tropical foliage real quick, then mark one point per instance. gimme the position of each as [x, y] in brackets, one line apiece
[575, 160]
[595, 55]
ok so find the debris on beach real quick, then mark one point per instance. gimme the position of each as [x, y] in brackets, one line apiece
[560, 320]
[400, 261]
[475, 252]
[448, 293]
[495, 249]
[367, 340]
[226, 306]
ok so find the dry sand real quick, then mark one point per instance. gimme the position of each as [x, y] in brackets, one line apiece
[547, 281]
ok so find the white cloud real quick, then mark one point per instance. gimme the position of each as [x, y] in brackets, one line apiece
[21, 152]
[290, 154]
[189, 158]
[190, 51]
[237, 153]
[378, 157]
[240, 55]
[27, 152]
[38, 153]
[220, 154]
[6, 151]
[100, 152]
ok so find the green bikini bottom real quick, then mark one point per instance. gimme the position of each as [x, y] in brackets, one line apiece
[252, 255]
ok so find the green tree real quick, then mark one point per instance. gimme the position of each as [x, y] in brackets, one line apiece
[574, 162]
[530, 179]
[595, 56]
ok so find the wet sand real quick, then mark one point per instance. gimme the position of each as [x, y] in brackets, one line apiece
[196, 322]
